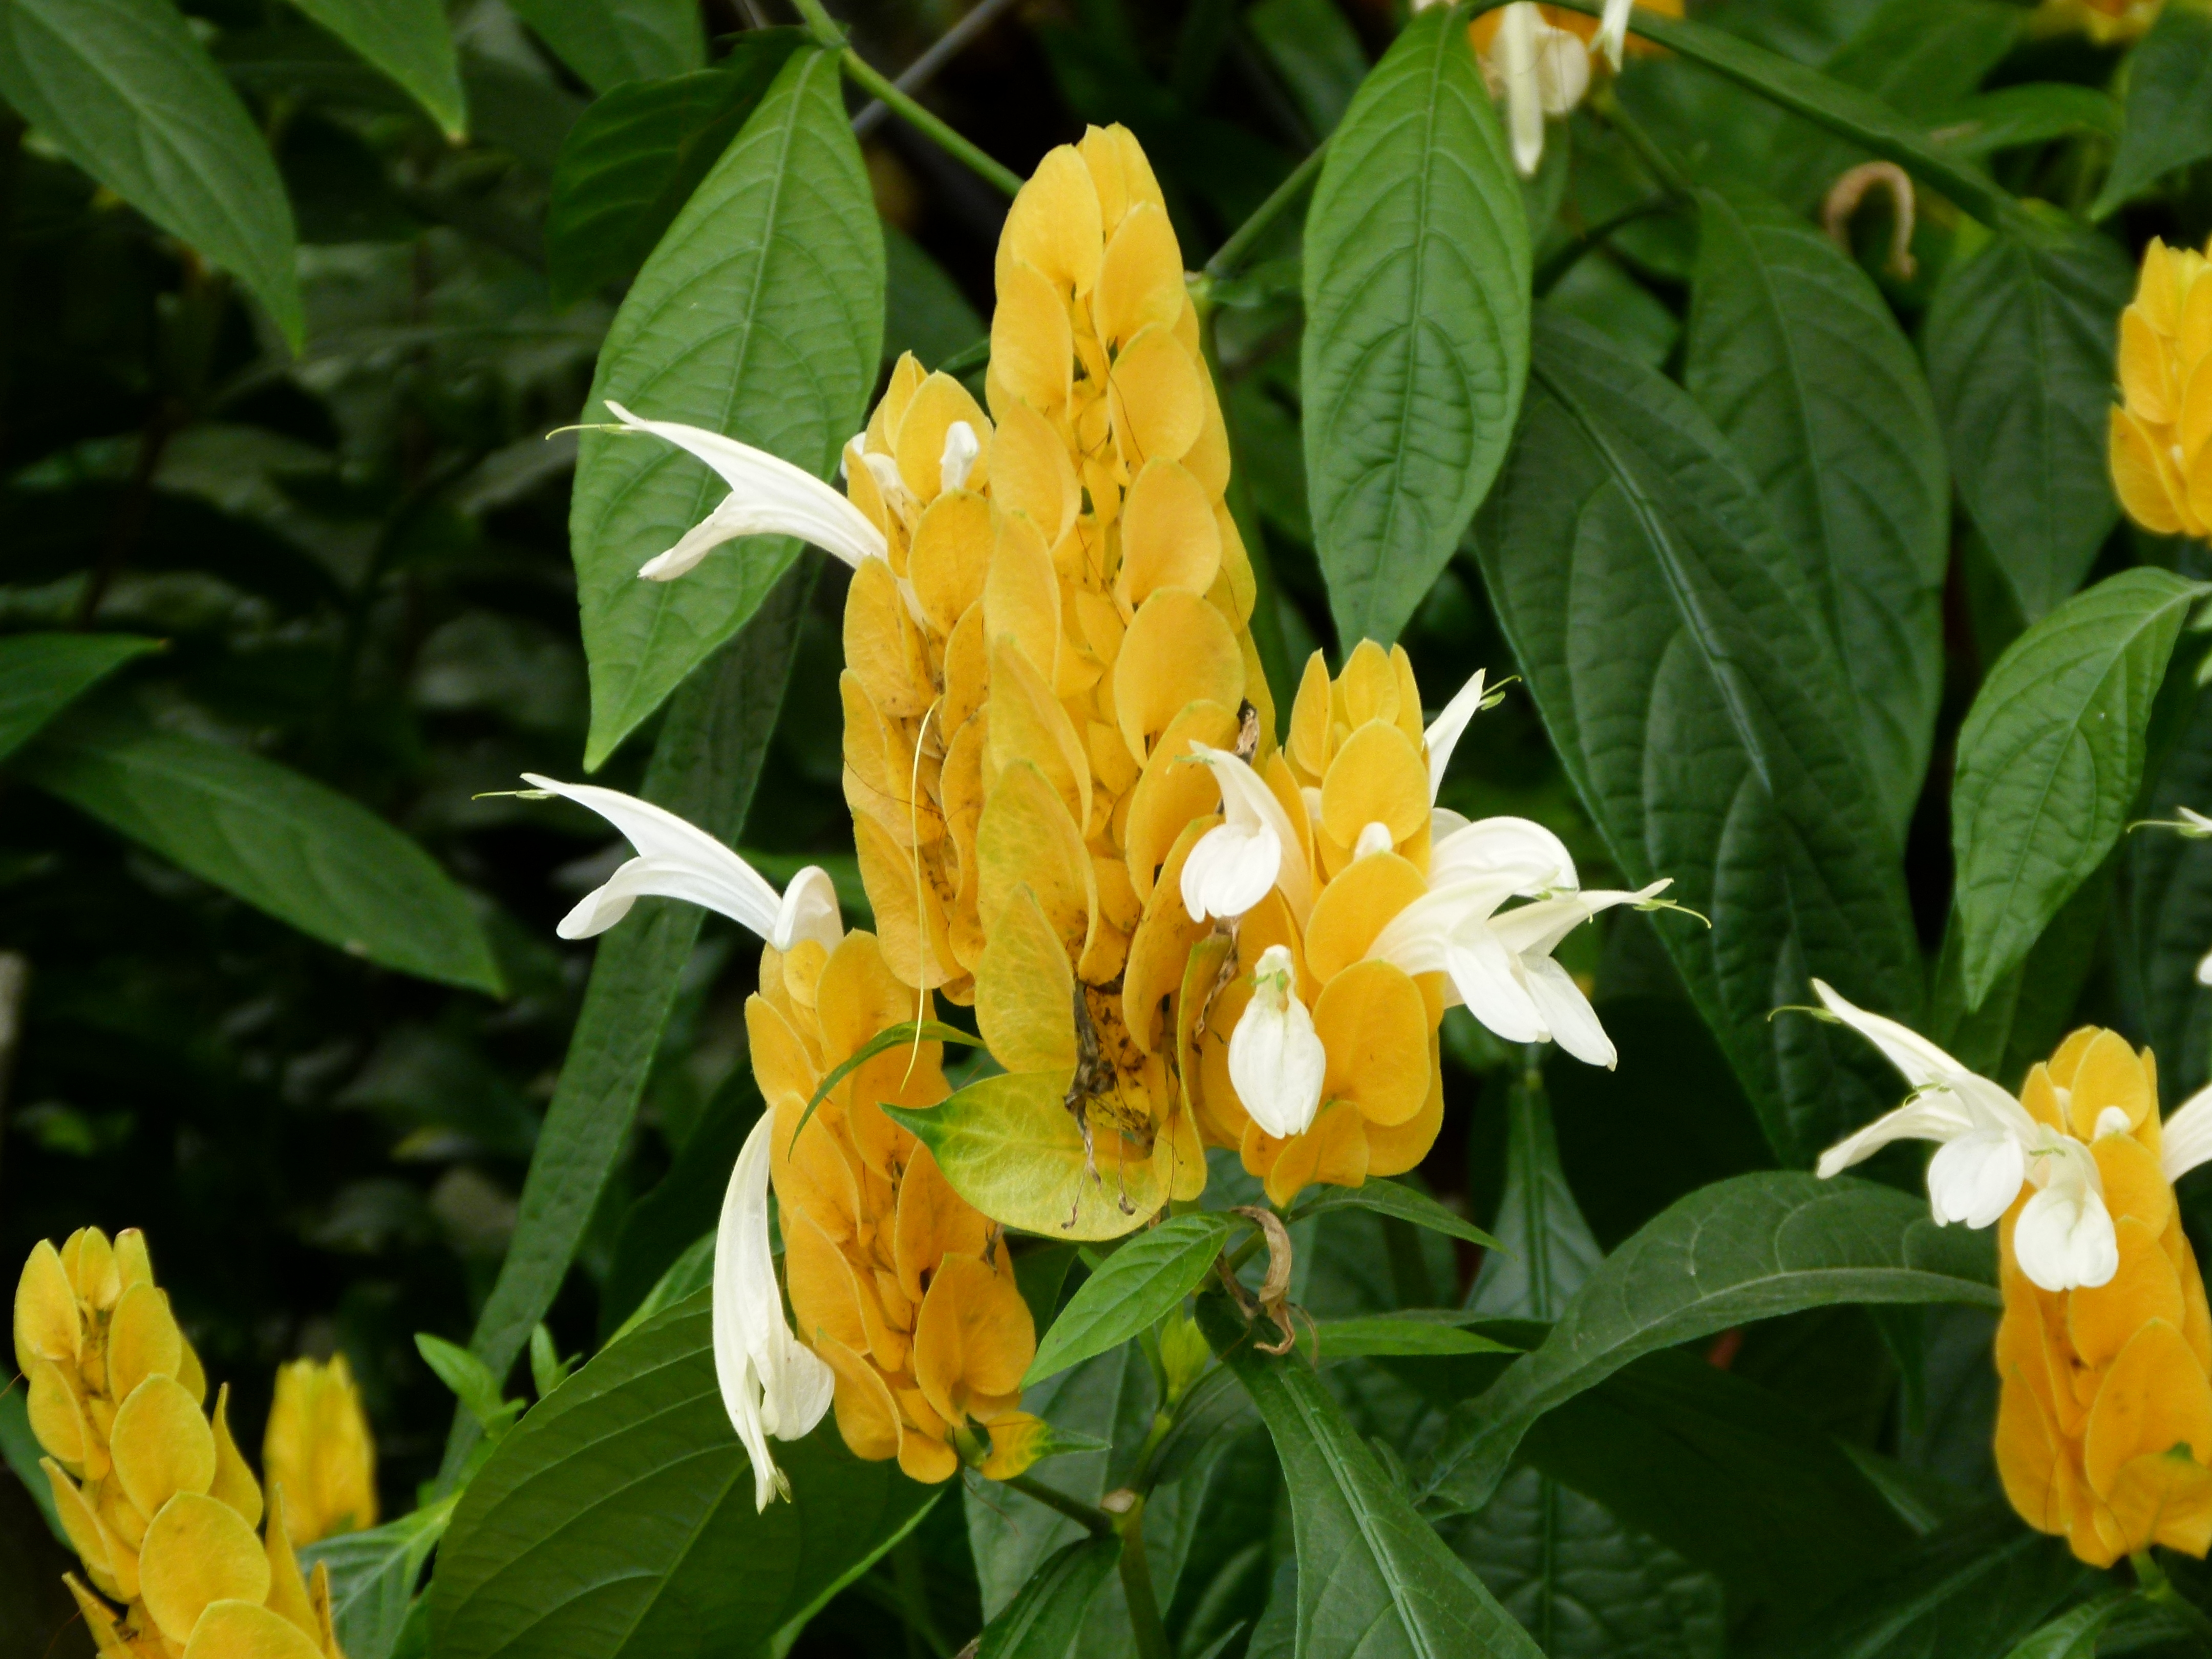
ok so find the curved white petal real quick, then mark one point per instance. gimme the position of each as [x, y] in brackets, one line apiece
[1975, 1177]
[675, 860]
[1247, 801]
[1275, 1058]
[2065, 1239]
[1443, 733]
[2185, 1138]
[1918, 1061]
[1612, 30]
[2204, 970]
[1517, 48]
[1934, 1114]
[770, 1383]
[1485, 977]
[768, 497]
[809, 910]
[959, 459]
[1568, 1017]
[1499, 844]
[1563, 70]
[1537, 929]
[1443, 823]
[1416, 940]
[1374, 837]
[1233, 868]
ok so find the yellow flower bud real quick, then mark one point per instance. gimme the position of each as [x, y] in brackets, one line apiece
[318, 1450]
[2161, 429]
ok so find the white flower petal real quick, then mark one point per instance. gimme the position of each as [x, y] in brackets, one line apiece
[959, 459]
[1374, 837]
[1516, 49]
[1233, 868]
[1486, 979]
[1537, 929]
[1975, 1177]
[2204, 970]
[1443, 823]
[675, 860]
[1275, 1058]
[2065, 1239]
[770, 1383]
[1934, 1114]
[1918, 1061]
[1443, 733]
[768, 497]
[2185, 1138]
[1563, 70]
[809, 910]
[1612, 30]
[1248, 803]
[1501, 844]
[1568, 1017]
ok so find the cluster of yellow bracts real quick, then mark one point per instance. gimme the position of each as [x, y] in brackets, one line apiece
[154, 1496]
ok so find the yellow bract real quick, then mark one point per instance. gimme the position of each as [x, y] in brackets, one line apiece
[2105, 1424]
[154, 1496]
[2161, 430]
[318, 1450]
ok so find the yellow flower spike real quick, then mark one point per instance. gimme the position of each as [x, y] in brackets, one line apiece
[1334, 1151]
[1141, 280]
[884, 650]
[242, 1629]
[162, 1445]
[1032, 347]
[317, 1446]
[1378, 776]
[1054, 226]
[2161, 443]
[233, 1483]
[1028, 723]
[1170, 535]
[1179, 650]
[142, 1340]
[89, 1535]
[1021, 595]
[925, 440]
[1026, 841]
[951, 556]
[2109, 1077]
[1154, 398]
[1173, 791]
[90, 1260]
[973, 1340]
[932, 1222]
[191, 1375]
[2100, 1320]
[1354, 908]
[2153, 1398]
[198, 1551]
[47, 1325]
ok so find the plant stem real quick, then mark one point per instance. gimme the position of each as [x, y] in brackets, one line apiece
[1669, 177]
[1137, 1580]
[874, 82]
[1565, 258]
[2151, 1579]
[1096, 1521]
[1230, 253]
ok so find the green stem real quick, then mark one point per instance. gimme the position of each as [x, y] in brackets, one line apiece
[1230, 253]
[876, 84]
[1669, 177]
[2151, 1579]
[1096, 1521]
[1137, 1580]
[1564, 259]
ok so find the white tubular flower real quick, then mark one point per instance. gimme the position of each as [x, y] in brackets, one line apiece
[2185, 1138]
[959, 460]
[1275, 1058]
[1988, 1147]
[772, 1384]
[1530, 935]
[1612, 30]
[679, 861]
[1253, 850]
[1541, 69]
[1443, 733]
[768, 497]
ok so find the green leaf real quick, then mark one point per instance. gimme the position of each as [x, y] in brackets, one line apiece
[1417, 273]
[2015, 116]
[1750, 1247]
[2169, 108]
[1317, 52]
[471, 1383]
[706, 762]
[666, 1222]
[2074, 1635]
[1676, 653]
[411, 41]
[1374, 1579]
[41, 674]
[1402, 1335]
[21, 1450]
[617, 1521]
[608, 42]
[691, 1272]
[633, 160]
[2020, 344]
[1137, 1286]
[2050, 759]
[759, 315]
[1010, 1147]
[1794, 355]
[1394, 1199]
[373, 1575]
[1546, 1249]
[1971, 1590]
[1045, 1619]
[2166, 911]
[126, 91]
[907, 1032]
[282, 843]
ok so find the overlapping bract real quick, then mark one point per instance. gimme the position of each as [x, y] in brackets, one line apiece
[2105, 1423]
[318, 1449]
[2161, 429]
[900, 1286]
[154, 1496]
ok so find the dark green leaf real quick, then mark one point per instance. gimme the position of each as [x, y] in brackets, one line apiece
[1374, 1579]
[126, 91]
[2166, 910]
[608, 42]
[1969, 1592]
[2050, 759]
[2169, 109]
[1750, 1247]
[284, 844]
[630, 163]
[1137, 1286]
[2074, 1635]
[1546, 1249]
[665, 1223]
[1402, 1335]
[691, 1272]
[1392, 1198]
[1317, 52]
[1794, 355]
[618, 1519]
[923, 310]
[471, 1381]
[410, 41]
[1045, 1619]
[759, 315]
[21, 1450]
[373, 1575]
[1676, 653]
[1417, 272]
[2020, 340]
[2013, 117]
[705, 765]
[41, 674]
